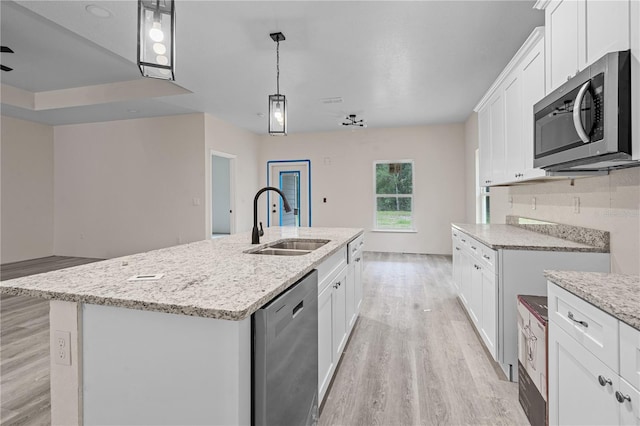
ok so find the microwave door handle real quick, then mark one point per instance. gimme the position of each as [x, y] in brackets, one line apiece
[577, 106]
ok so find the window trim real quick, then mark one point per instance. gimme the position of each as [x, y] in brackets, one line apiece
[375, 227]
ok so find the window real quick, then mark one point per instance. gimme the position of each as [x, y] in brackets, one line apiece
[393, 195]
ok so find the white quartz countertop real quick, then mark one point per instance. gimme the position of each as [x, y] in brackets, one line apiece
[616, 294]
[210, 278]
[516, 238]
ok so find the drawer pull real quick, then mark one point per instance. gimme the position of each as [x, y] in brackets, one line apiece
[604, 381]
[358, 259]
[582, 323]
[622, 398]
[486, 257]
[463, 240]
[458, 248]
[473, 247]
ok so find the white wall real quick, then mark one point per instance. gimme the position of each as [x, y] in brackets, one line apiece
[609, 203]
[128, 186]
[223, 137]
[470, 147]
[342, 171]
[27, 190]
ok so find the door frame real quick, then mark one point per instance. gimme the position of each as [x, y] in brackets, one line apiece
[232, 188]
[304, 163]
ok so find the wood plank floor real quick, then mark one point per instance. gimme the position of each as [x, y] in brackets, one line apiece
[413, 358]
[24, 346]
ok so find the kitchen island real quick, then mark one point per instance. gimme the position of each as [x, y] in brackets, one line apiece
[174, 345]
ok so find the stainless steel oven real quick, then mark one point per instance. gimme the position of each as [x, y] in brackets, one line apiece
[585, 124]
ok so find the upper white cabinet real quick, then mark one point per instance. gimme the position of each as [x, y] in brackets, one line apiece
[579, 32]
[505, 117]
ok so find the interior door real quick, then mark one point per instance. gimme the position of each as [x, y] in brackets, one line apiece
[292, 178]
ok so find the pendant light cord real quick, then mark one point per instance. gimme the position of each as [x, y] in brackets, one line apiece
[278, 67]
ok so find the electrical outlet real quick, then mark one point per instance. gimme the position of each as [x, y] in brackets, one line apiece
[62, 347]
[533, 203]
[576, 204]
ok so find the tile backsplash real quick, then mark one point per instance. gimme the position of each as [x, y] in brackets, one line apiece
[608, 203]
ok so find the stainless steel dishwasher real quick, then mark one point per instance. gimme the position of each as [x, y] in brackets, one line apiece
[285, 357]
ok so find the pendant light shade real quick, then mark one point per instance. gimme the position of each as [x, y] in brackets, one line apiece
[277, 102]
[156, 38]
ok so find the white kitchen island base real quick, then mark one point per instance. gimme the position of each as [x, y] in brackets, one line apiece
[144, 367]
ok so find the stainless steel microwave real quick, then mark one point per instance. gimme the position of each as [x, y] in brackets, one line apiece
[585, 124]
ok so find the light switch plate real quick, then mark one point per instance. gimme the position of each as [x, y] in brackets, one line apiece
[533, 203]
[576, 204]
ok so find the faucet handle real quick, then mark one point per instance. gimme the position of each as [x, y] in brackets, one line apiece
[261, 230]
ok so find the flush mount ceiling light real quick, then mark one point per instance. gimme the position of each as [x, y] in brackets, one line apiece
[277, 102]
[351, 121]
[98, 11]
[156, 38]
[6, 49]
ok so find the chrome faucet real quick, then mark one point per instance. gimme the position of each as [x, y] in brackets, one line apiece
[255, 233]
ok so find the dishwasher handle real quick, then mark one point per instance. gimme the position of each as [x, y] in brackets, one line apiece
[297, 309]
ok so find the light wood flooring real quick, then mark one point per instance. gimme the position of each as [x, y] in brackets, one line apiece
[24, 346]
[413, 358]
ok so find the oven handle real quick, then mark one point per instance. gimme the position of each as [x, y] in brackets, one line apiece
[577, 106]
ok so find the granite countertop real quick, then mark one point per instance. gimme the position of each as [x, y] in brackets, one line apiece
[210, 278]
[512, 237]
[616, 294]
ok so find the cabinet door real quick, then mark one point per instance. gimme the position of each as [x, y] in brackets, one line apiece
[475, 302]
[484, 145]
[465, 278]
[358, 282]
[561, 35]
[605, 28]
[488, 327]
[497, 138]
[325, 341]
[576, 396]
[513, 135]
[339, 329]
[532, 92]
[630, 405]
[350, 296]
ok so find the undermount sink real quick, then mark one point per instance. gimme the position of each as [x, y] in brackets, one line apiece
[294, 244]
[291, 247]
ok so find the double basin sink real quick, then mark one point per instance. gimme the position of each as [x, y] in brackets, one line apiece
[291, 247]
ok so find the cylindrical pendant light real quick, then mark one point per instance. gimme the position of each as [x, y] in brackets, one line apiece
[277, 102]
[156, 38]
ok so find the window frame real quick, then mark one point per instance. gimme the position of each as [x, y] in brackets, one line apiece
[412, 196]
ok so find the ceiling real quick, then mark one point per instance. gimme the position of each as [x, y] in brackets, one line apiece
[392, 63]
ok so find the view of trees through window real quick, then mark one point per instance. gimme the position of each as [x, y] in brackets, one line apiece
[394, 195]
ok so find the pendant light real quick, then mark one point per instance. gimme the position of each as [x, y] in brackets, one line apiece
[277, 102]
[156, 38]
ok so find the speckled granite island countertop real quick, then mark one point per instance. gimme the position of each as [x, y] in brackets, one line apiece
[616, 294]
[519, 234]
[210, 278]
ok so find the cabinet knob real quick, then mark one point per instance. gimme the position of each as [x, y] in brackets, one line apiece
[622, 398]
[358, 260]
[604, 381]
[458, 248]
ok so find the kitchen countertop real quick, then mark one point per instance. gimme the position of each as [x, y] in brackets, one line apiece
[210, 278]
[616, 294]
[512, 237]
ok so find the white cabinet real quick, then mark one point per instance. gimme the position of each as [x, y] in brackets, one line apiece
[505, 117]
[593, 364]
[579, 32]
[339, 301]
[488, 325]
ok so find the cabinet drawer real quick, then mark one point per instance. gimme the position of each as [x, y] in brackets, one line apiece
[474, 247]
[489, 257]
[328, 269]
[354, 247]
[594, 329]
[630, 355]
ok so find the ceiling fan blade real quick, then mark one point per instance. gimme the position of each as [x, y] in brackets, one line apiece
[5, 68]
[5, 49]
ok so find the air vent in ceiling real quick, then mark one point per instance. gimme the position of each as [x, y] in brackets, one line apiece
[335, 100]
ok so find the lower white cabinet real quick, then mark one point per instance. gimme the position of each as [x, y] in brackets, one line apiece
[339, 300]
[593, 358]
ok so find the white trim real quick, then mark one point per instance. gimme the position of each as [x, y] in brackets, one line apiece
[536, 35]
[412, 196]
[232, 181]
[541, 4]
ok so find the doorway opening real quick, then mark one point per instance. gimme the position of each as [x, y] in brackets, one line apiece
[222, 194]
[293, 177]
